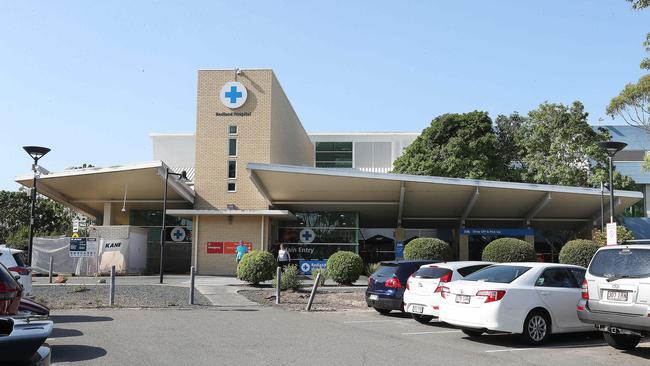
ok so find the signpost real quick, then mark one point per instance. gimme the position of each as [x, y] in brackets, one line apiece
[611, 234]
[83, 247]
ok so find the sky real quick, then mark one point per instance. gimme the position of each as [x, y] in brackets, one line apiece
[92, 80]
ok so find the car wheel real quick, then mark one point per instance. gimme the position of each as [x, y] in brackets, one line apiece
[472, 332]
[382, 311]
[424, 319]
[537, 328]
[622, 341]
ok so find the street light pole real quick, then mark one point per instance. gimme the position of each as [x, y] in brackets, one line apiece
[181, 176]
[611, 148]
[36, 152]
[602, 206]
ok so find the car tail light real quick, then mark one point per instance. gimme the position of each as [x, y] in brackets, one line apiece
[408, 284]
[585, 290]
[7, 293]
[444, 279]
[369, 280]
[491, 295]
[444, 292]
[23, 271]
[580, 308]
[393, 282]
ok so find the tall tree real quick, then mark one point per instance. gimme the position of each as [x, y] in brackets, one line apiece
[454, 145]
[508, 129]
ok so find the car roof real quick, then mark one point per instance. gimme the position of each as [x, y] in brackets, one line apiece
[630, 246]
[4, 248]
[456, 264]
[415, 261]
[538, 264]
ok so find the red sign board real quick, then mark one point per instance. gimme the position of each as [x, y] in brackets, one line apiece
[227, 247]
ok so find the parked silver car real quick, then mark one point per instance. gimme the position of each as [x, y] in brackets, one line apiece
[616, 294]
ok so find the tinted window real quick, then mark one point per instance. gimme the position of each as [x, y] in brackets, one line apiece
[231, 187]
[431, 272]
[232, 147]
[6, 277]
[386, 270]
[19, 260]
[555, 277]
[498, 274]
[232, 169]
[465, 271]
[621, 262]
[578, 275]
[232, 130]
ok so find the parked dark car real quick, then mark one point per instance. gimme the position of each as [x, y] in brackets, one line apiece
[386, 286]
[22, 341]
[10, 292]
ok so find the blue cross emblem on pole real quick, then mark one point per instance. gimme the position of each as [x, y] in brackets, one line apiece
[307, 236]
[177, 234]
[233, 94]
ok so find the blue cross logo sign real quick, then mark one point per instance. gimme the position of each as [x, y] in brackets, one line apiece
[233, 94]
[178, 234]
[307, 235]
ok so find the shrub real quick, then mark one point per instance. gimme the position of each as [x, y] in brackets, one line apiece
[622, 233]
[324, 275]
[344, 267]
[578, 252]
[256, 266]
[371, 268]
[509, 250]
[427, 248]
[290, 278]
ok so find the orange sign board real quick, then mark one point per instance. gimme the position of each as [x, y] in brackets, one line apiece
[226, 247]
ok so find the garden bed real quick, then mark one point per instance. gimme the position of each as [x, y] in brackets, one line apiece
[326, 299]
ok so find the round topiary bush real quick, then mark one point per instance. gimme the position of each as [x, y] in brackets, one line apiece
[578, 252]
[509, 250]
[344, 267]
[256, 266]
[427, 248]
[289, 279]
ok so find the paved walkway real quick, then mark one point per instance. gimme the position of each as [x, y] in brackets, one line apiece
[220, 290]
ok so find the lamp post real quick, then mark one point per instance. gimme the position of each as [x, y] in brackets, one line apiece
[181, 176]
[611, 148]
[36, 152]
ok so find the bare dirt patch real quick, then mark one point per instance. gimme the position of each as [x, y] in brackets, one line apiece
[325, 300]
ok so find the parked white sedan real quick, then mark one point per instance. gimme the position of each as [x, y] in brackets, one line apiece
[422, 294]
[534, 299]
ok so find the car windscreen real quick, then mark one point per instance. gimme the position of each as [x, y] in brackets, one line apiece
[5, 276]
[431, 272]
[624, 262]
[386, 270]
[498, 274]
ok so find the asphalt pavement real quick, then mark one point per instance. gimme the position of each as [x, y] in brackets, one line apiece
[266, 336]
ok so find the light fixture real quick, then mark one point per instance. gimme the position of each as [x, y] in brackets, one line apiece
[36, 152]
[612, 147]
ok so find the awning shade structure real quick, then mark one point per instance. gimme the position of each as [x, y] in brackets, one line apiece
[386, 200]
[86, 190]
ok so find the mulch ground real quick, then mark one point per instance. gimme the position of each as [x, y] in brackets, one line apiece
[325, 299]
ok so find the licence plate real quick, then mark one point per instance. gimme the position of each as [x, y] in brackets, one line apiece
[417, 309]
[462, 299]
[617, 295]
[374, 297]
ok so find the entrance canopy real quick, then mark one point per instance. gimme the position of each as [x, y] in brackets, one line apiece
[137, 185]
[387, 200]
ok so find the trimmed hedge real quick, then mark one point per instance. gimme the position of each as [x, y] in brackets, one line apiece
[289, 279]
[622, 233]
[509, 250]
[427, 248]
[345, 267]
[256, 266]
[578, 252]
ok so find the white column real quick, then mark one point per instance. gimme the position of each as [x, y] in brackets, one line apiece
[108, 214]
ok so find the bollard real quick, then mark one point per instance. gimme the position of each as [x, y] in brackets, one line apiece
[111, 299]
[278, 274]
[51, 268]
[313, 292]
[192, 274]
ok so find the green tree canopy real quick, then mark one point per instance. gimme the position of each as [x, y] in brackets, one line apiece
[454, 145]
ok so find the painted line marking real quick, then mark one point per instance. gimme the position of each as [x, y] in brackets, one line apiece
[436, 332]
[566, 346]
[510, 350]
[368, 321]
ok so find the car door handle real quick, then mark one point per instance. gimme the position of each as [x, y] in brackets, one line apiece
[544, 293]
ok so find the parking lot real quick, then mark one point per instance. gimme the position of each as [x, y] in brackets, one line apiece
[266, 336]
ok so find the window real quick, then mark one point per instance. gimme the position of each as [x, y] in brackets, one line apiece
[466, 271]
[232, 130]
[555, 277]
[630, 263]
[232, 169]
[578, 275]
[498, 274]
[232, 187]
[431, 272]
[334, 154]
[232, 147]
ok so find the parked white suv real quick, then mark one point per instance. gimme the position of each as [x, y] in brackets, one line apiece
[12, 259]
[616, 294]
